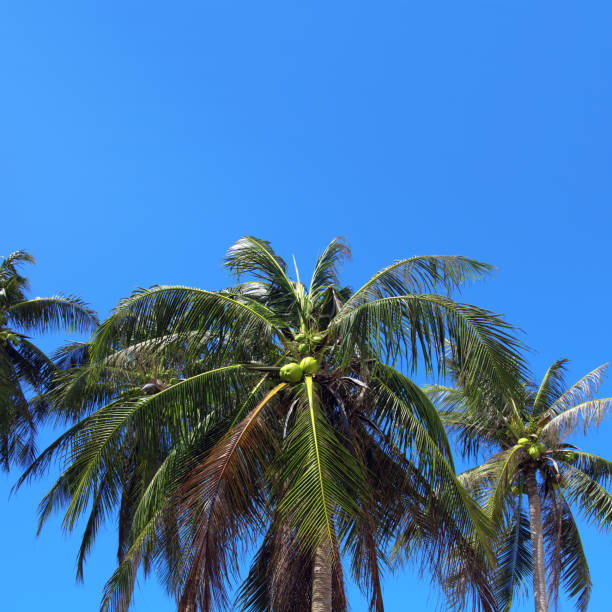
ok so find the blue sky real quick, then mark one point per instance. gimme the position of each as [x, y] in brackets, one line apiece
[140, 139]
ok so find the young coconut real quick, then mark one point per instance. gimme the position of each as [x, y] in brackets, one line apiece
[309, 365]
[541, 447]
[303, 348]
[523, 441]
[300, 337]
[291, 372]
[534, 452]
[317, 339]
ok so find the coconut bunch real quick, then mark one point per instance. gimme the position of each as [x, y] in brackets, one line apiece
[305, 342]
[533, 446]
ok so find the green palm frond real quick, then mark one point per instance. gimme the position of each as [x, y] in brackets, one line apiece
[321, 477]
[31, 365]
[435, 462]
[421, 274]
[414, 327]
[149, 314]
[9, 263]
[103, 502]
[52, 313]
[514, 564]
[473, 428]
[255, 257]
[407, 416]
[551, 387]
[592, 498]
[582, 391]
[327, 268]
[567, 555]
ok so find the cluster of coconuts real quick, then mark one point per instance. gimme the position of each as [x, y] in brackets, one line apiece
[534, 448]
[294, 372]
[307, 341]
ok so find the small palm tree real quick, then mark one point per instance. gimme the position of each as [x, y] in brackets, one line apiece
[211, 417]
[528, 435]
[25, 368]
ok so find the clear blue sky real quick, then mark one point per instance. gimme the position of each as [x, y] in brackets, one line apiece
[140, 139]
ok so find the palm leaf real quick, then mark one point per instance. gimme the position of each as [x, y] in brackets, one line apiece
[321, 477]
[420, 274]
[563, 425]
[327, 267]
[551, 387]
[514, 563]
[582, 391]
[414, 327]
[48, 314]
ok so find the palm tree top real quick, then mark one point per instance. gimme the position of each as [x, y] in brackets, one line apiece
[528, 435]
[271, 403]
[24, 369]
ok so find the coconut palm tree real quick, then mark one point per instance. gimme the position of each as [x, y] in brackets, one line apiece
[273, 411]
[532, 457]
[24, 368]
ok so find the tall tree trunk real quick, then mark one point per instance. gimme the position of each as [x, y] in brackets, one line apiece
[322, 579]
[537, 543]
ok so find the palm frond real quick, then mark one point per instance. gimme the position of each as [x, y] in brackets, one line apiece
[582, 391]
[434, 462]
[593, 500]
[567, 557]
[514, 563]
[407, 415]
[321, 477]
[214, 510]
[255, 257]
[149, 313]
[590, 413]
[327, 267]
[420, 274]
[551, 387]
[11, 261]
[414, 327]
[52, 313]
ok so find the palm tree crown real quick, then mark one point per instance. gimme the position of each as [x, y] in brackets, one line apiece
[271, 409]
[528, 435]
[23, 366]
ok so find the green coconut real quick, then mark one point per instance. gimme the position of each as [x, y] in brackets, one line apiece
[541, 447]
[304, 348]
[301, 337]
[523, 441]
[309, 365]
[317, 339]
[291, 372]
[534, 452]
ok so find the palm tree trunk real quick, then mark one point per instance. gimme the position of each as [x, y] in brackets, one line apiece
[322, 579]
[537, 543]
